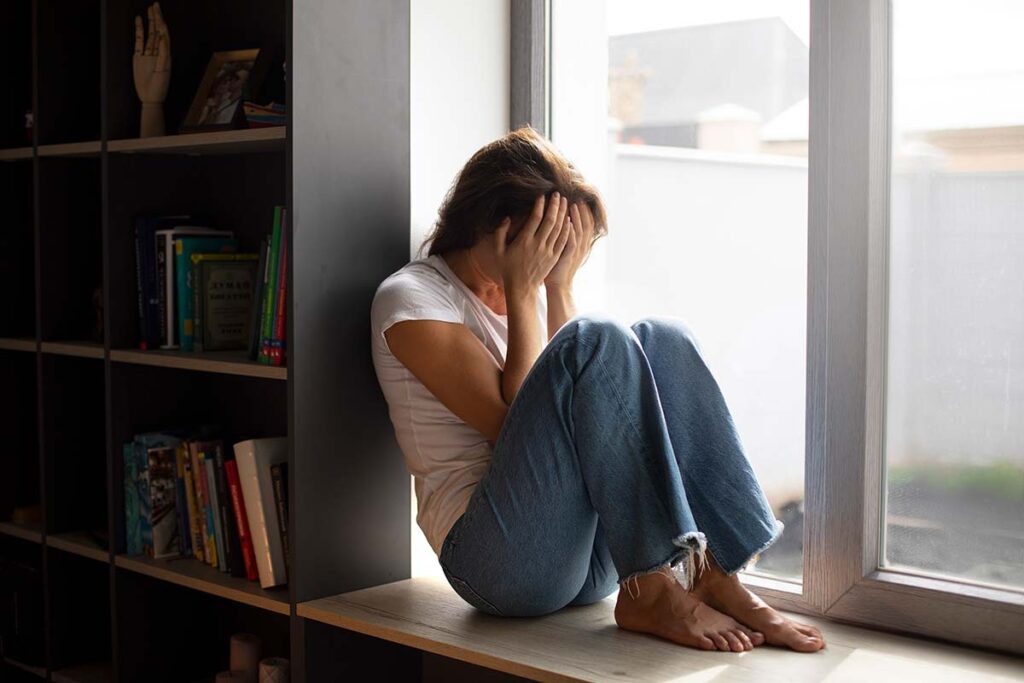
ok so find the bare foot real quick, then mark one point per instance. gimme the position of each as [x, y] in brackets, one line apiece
[728, 594]
[664, 609]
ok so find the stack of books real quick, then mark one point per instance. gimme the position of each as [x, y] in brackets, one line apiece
[198, 292]
[188, 495]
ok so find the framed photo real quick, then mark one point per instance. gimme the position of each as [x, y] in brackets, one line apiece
[231, 77]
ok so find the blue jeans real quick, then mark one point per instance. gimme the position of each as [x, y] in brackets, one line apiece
[618, 457]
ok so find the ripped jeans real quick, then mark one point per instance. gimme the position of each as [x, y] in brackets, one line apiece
[618, 457]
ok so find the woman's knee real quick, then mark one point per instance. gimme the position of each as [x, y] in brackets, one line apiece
[597, 329]
[656, 330]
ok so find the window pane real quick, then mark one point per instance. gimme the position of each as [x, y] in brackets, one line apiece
[955, 383]
[692, 119]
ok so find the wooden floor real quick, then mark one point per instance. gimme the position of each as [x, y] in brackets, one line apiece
[583, 644]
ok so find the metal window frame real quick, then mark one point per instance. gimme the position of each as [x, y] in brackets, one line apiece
[848, 216]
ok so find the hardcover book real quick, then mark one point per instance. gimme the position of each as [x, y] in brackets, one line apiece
[165, 276]
[184, 248]
[223, 296]
[254, 458]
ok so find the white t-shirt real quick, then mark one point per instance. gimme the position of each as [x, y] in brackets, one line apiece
[446, 456]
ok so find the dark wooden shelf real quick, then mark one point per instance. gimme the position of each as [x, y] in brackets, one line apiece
[90, 148]
[78, 543]
[27, 532]
[223, 362]
[193, 574]
[17, 344]
[98, 672]
[245, 140]
[82, 349]
[15, 153]
[27, 668]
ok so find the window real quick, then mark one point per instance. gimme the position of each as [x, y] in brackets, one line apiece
[845, 231]
[954, 438]
[692, 119]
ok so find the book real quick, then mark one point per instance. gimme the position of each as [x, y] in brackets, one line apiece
[222, 300]
[132, 506]
[199, 475]
[184, 247]
[279, 475]
[218, 532]
[254, 320]
[165, 275]
[267, 320]
[141, 445]
[195, 519]
[146, 276]
[276, 354]
[241, 520]
[180, 506]
[163, 488]
[254, 458]
[232, 543]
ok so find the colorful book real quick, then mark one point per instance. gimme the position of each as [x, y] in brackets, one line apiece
[267, 322]
[218, 531]
[180, 506]
[279, 475]
[163, 487]
[184, 247]
[148, 289]
[232, 543]
[277, 335]
[194, 517]
[254, 458]
[241, 520]
[132, 506]
[199, 475]
[165, 275]
[222, 300]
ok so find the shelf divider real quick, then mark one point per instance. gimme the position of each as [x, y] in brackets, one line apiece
[223, 362]
[27, 532]
[215, 142]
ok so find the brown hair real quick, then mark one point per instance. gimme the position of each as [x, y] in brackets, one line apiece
[504, 178]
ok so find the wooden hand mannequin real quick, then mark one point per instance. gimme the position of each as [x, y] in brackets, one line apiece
[151, 66]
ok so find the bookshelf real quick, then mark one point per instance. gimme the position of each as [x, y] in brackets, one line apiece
[76, 390]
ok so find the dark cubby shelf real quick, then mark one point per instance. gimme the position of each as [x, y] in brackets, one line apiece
[77, 386]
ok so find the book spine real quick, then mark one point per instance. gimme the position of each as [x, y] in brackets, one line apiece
[183, 283]
[181, 510]
[210, 540]
[257, 302]
[162, 508]
[196, 280]
[142, 472]
[277, 355]
[170, 294]
[232, 545]
[132, 528]
[195, 523]
[279, 476]
[218, 532]
[161, 276]
[268, 308]
[241, 520]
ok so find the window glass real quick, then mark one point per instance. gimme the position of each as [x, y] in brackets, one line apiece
[955, 381]
[692, 118]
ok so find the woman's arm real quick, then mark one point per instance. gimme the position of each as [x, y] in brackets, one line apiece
[453, 364]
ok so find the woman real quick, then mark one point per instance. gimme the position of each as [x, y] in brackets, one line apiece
[556, 457]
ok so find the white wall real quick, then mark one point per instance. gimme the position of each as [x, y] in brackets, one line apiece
[459, 101]
[459, 94]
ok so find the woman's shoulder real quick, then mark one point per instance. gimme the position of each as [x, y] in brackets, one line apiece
[417, 286]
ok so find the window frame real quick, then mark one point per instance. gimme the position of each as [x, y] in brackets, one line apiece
[848, 230]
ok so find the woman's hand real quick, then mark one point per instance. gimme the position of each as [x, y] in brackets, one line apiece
[577, 247]
[527, 261]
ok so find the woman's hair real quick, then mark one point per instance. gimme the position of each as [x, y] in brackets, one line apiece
[504, 178]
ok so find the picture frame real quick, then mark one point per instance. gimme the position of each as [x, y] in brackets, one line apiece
[231, 77]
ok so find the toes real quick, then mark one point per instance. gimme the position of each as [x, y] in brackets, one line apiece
[756, 637]
[734, 642]
[720, 642]
[706, 643]
[744, 639]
